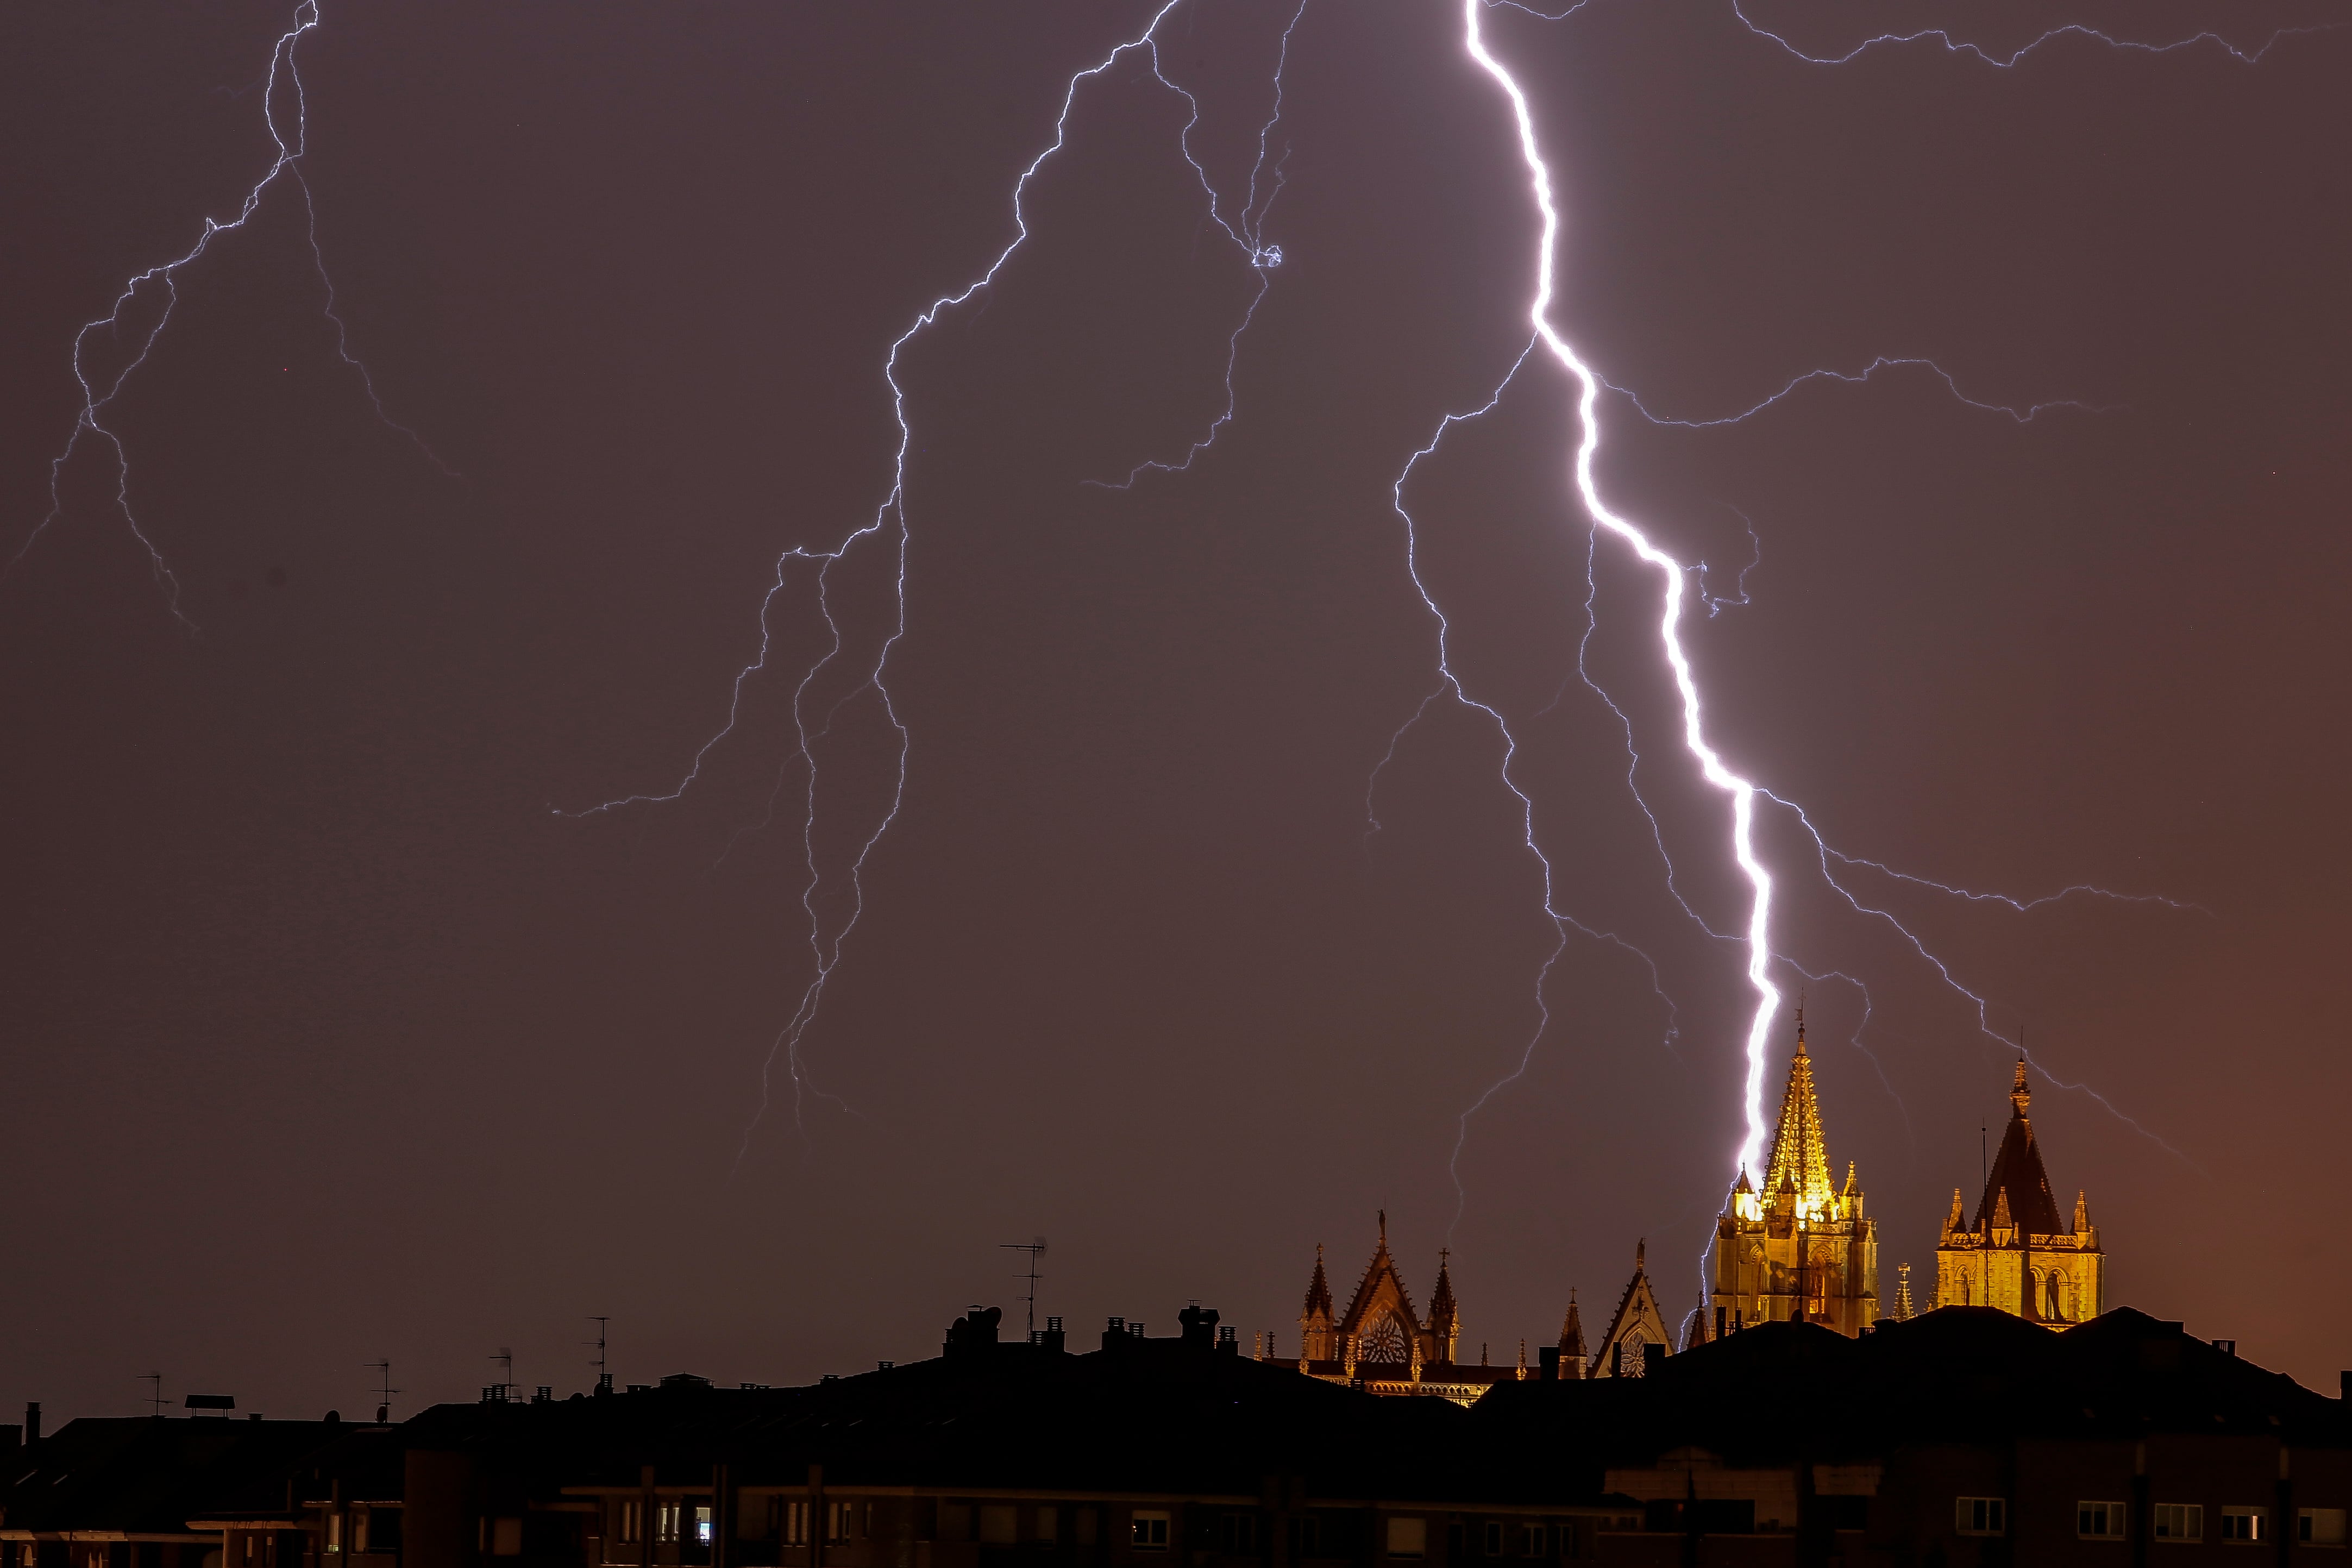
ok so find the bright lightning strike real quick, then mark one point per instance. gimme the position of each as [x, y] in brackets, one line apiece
[1741, 793]
[98, 391]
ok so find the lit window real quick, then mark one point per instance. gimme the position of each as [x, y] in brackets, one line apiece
[2320, 1526]
[1045, 1525]
[2099, 1520]
[2179, 1522]
[665, 1521]
[506, 1538]
[2243, 1524]
[998, 1521]
[1981, 1516]
[334, 1533]
[360, 1529]
[1150, 1533]
[702, 1525]
[1408, 1537]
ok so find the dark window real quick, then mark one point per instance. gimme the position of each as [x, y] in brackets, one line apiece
[1305, 1537]
[1494, 1537]
[1237, 1535]
[1703, 1516]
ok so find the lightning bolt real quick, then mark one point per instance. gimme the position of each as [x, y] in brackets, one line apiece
[1244, 227]
[1741, 792]
[100, 391]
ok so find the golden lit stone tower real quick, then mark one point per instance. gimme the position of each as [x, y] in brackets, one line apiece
[2018, 1254]
[1800, 1248]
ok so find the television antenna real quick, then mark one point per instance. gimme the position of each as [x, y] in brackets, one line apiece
[154, 1382]
[604, 1371]
[1035, 1249]
[382, 1367]
[504, 1358]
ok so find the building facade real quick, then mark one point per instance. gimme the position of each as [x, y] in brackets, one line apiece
[2018, 1253]
[1799, 1250]
[1381, 1345]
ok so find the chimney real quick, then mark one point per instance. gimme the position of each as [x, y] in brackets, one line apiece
[975, 1331]
[1229, 1342]
[2344, 1385]
[1114, 1335]
[32, 1424]
[1199, 1326]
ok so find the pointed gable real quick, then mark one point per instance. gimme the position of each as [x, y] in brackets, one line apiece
[1799, 1160]
[1380, 1324]
[1638, 1323]
[2018, 1184]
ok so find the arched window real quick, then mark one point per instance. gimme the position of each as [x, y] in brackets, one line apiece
[2055, 1313]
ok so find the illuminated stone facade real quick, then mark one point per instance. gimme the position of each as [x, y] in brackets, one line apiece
[1381, 1345]
[2018, 1254]
[1638, 1332]
[1799, 1248]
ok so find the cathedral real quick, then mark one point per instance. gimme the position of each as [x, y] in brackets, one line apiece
[1799, 1248]
[1793, 1248]
[2017, 1254]
[1380, 1344]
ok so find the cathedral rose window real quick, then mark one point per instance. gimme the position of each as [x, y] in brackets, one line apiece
[1386, 1342]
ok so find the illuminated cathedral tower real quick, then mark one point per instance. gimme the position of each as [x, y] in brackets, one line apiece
[1799, 1248]
[2018, 1254]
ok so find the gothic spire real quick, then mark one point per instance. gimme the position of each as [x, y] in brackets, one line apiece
[2018, 1181]
[1571, 1332]
[1319, 1290]
[1798, 1158]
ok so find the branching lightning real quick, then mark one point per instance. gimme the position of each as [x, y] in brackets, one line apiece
[2024, 415]
[1449, 685]
[98, 391]
[1953, 45]
[1247, 229]
[1244, 227]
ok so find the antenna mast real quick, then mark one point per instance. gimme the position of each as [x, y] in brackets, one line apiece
[154, 1381]
[603, 1373]
[1035, 1249]
[382, 1367]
